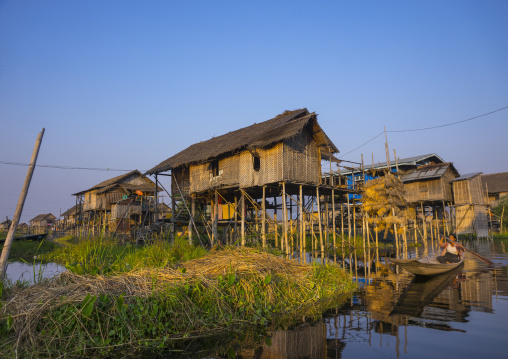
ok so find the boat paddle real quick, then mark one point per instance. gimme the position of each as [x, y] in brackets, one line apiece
[486, 260]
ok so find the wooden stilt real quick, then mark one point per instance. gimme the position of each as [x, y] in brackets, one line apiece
[242, 218]
[333, 228]
[263, 219]
[285, 215]
[320, 226]
[276, 232]
[301, 220]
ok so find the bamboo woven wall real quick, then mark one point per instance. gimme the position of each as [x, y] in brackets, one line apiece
[296, 159]
[431, 190]
[302, 159]
[469, 191]
[472, 220]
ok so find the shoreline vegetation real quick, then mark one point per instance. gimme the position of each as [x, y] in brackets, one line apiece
[134, 299]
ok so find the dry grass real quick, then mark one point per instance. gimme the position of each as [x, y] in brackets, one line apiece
[227, 286]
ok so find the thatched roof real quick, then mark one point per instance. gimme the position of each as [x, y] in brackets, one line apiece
[70, 212]
[118, 182]
[41, 217]
[428, 172]
[258, 135]
[496, 182]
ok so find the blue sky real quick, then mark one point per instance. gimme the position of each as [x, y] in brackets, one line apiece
[127, 84]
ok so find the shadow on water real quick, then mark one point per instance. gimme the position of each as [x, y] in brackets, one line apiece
[396, 314]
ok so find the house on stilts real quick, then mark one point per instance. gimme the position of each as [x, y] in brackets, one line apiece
[255, 183]
[116, 206]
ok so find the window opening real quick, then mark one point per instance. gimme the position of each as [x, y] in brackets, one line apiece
[257, 163]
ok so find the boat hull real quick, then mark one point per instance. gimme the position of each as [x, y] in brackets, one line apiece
[418, 267]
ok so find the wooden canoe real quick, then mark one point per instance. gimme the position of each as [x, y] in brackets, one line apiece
[425, 266]
[33, 237]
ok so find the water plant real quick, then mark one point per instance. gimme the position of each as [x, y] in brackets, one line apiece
[75, 315]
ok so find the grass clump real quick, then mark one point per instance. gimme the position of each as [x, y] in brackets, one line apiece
[27, 251]
[103, 256]
[76, 315]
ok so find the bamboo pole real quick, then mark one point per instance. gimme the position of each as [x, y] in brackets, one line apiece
[302, 220]
[320, 226]
[276, 224]
[263, 219]
[19, 208]
[333, 227]
[242, 218]
[285, 215]
[236, 220]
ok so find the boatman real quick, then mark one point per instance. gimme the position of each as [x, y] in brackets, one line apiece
[451, 253]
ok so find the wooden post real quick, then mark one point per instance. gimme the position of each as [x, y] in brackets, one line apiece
[263, 218]
[424, 225]
[242, 218]
[333, 227]
[285, 215]
[191, 223]
[19, 208]
[302, 220]
[236, 220]
[276, 224]
[327, 223]
[319, 222]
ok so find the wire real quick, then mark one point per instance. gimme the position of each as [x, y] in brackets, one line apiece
[372, 139]
[451, 123]
[427, 128]
[65, 167]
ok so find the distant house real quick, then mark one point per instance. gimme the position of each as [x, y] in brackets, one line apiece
[5, 225]
[42, 222]
[117, 203]
[470, 205]
[163, 211]
[429, 183]
[355, 176]
[496, 185]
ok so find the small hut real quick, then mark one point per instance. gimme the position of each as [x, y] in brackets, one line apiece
[470, 205]
[496, 185]
[117, 204]
[429, 183]
[5, 225]
[42, 223]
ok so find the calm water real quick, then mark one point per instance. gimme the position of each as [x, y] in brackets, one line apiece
[32, 273]
[463, 314]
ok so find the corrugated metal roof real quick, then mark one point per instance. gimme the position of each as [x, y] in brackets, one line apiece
[467, 176]
[428, 172]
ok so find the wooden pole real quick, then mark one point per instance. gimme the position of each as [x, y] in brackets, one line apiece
[19, 208]
[333, 227]
[285, 215]
[263, 219]
[319, 222]
[302, 220]
[236, 220]
[276, 224]
[191, 223]
[242, 218]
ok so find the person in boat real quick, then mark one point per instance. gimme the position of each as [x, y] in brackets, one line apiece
[451, 253]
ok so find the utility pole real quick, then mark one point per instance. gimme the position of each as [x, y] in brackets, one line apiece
[19, 209]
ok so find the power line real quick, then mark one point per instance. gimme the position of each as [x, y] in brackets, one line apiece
[65, 167]
[451, 123]
[427, 128]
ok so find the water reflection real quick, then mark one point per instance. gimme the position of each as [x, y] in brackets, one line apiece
[31, 273]
[461, 313]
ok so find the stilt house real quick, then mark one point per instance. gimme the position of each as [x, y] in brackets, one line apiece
[470, 205]
[42, 223]
[496, 185]
[287, 149]
[430, 183]
[117, 204]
